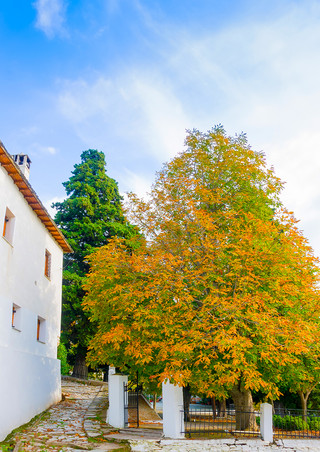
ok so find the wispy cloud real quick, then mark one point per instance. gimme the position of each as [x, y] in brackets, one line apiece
[48, 205]
[50, 16]
[34, 148]
[50, 150]
[29, 131]
[112, 6]
[144, 106]
[259, 76]
[138, 184]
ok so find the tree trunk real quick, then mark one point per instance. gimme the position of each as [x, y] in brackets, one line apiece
[154, 401]
[213, 404]
[80, 369]
[186, 403]
[304, 401]
[105, 370]
[218, 408]
[223, 407]
[245, 417]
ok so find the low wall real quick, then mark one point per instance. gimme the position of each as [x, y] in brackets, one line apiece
[29, 384]
[83, 381]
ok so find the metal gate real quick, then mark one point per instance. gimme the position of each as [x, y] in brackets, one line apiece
[131, 401]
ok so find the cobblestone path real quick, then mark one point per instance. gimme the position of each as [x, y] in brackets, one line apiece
[72, 425]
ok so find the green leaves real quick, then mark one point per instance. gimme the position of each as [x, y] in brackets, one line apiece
[89, 217]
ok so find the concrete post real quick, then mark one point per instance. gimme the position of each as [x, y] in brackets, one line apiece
[111, 371]
[115, 415]
[266, 428]
[173, 420]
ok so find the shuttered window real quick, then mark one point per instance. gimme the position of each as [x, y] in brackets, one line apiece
[47, 264]
[13, 314]
[38, 328]
[41, 329]
[16, 317]
[6, 219]
[8, 226]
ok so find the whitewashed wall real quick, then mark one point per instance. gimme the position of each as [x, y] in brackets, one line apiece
[29, 369]
[29, 384]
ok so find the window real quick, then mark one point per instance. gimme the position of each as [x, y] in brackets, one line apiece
[8, 225]
[47, 264]
[16, 317]
[41, 329]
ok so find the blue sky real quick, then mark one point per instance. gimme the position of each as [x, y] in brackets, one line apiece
[129, 76]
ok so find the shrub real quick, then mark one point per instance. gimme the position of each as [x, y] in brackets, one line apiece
[277, 421]
[314, 423]
[62, 355]
[289, 422]
[296, 423]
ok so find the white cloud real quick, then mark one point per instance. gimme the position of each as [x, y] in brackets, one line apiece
[260, 77]
[263, 78]
[50, 16]
[50, 150]
[113, 6]
[48, 205]
[29, 131]
[137, 183]
[143, 106]
[164, 118]
[37, 148]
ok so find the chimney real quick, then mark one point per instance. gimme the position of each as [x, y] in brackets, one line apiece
[23, 162]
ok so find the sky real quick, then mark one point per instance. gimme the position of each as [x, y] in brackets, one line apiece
[129, 77]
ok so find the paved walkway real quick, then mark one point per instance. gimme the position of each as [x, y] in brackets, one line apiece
[72, 425]
[78, 424]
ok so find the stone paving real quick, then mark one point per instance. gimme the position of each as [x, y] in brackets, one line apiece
[72, 425]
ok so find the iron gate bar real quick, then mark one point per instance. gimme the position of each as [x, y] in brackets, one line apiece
[126, 405]
[137, 389]
[203, 421]
[131, 400]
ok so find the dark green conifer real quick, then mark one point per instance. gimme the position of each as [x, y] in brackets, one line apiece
[88, 217]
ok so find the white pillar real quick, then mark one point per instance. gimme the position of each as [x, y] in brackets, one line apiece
[111, 371]
[173, 420]
[266, 422]
[115, 415]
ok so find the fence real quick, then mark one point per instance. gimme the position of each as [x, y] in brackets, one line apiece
[296, 424]
[285, 423]
[230, 424]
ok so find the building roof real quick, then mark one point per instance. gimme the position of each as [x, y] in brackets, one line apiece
[31, 197]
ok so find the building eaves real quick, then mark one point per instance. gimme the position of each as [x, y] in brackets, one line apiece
[32, 198]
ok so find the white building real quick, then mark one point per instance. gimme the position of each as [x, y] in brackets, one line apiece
[31, 252]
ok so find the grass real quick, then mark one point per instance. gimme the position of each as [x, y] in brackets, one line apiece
[6, 448]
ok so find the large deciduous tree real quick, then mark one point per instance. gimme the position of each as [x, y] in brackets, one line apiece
[88, 217]
[222, 295]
